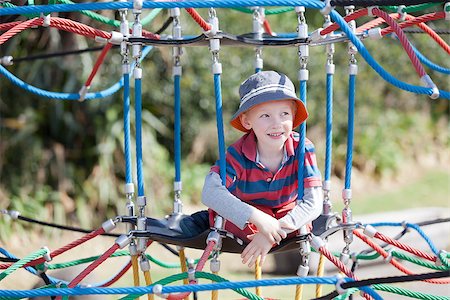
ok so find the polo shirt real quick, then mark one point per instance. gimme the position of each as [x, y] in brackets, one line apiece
[251, 182]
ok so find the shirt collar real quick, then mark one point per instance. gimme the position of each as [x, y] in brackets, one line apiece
[250, 151]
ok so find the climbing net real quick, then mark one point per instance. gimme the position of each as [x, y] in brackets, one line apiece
[135, 43]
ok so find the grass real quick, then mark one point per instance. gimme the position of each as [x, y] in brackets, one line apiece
[431, 189]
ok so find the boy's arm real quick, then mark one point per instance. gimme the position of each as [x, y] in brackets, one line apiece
[305, 211]
[218, 198]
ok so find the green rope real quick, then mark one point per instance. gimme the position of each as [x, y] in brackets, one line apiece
[108, 21]
[9, 5]
[18, 264]
[444, 260]
[347, 294]
[412, 8]
[418, 261]
[408, 293]
[267, 12]
[205, 275]
[117, 254]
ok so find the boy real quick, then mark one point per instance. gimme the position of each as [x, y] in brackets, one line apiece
[259, 201]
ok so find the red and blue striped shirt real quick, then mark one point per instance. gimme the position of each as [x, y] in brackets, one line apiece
[250, 181]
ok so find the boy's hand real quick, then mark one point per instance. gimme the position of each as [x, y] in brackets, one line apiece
[287, 226]
[268, 226]
[259, 245]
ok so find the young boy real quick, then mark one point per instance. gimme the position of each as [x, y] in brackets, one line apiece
[259, 202]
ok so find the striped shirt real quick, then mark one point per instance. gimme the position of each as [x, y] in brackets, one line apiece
[250, 181]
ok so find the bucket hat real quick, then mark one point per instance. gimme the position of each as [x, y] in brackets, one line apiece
[266, 86]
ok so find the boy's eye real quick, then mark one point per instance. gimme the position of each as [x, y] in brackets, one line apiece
[264, 116]
[285, 113]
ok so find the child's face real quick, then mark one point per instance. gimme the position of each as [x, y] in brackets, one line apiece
[271, 121]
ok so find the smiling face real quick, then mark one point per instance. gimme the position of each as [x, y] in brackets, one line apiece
[272, 123]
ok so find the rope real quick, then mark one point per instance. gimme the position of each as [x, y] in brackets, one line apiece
[220, 129]
[412, 8]
[138, 135]
[350, 130]
[353, 16]
[329, 127]
[199, 267]
[94, 265]
[258, 272]
[197, 18]
[183, 265]
[392, 261]
[134, 262]
[379, 69]
[19, 28]
[126, 125]
[45, 9]
[403, 39]
[22, 262]
[320, 272]
[118, 275]
[148, 281]
[98, 63]
[177, 128]
[405, 247]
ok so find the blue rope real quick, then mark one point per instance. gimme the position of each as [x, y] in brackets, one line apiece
[301, 145]
[220, 131]
[138, 117]
[177, 128]
[329, 127]
[416, 228]
[67, 96]
[429, 63]
[350, 121]
[379, 69]
[36, 9]
[166, 289]
[126, 126]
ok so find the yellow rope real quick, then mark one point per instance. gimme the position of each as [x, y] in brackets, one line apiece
[214, 293]
[298, 291]
[258, 275]
[148, 281]
[183, 265]
[320, 271]
[134, 263]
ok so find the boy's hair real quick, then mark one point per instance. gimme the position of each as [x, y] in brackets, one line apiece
[266, 86]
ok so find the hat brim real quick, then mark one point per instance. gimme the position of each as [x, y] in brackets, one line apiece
[300, 116]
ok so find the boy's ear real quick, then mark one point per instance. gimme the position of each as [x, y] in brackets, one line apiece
[245, 122]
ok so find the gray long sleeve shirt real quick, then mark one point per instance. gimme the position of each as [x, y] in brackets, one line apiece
[218, 198]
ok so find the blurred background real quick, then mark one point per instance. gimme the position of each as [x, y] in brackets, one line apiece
[63, 161]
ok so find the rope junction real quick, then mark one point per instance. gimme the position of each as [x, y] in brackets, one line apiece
[131, 41]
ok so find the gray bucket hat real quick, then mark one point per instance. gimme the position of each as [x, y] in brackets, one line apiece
[266, 86]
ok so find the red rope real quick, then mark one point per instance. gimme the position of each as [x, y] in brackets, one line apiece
[392, 261]
[7, 26]
[403, 40]
[197, 18]
[19, 28]
[118, 276]
[353, 16]
[340, 265]
[267, 28]
[93, 265]
[76, 27]
[419, 21]
[199, 267]
[375, 22]
[402, 246]
[72, 245]
[98, 63]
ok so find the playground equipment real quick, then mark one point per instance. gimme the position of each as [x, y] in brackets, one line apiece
[191, 231]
